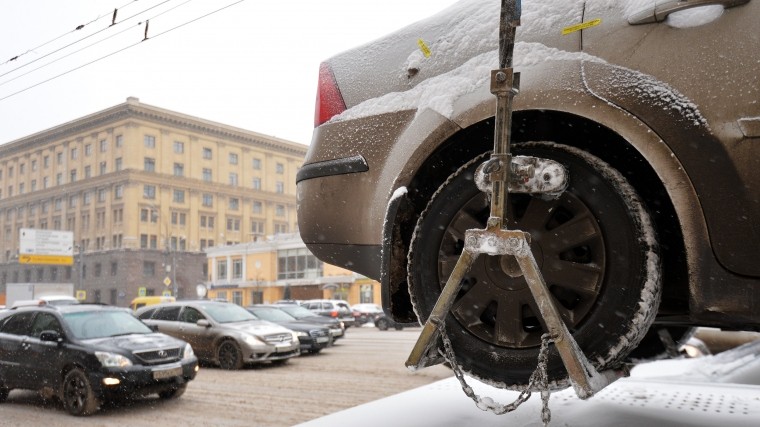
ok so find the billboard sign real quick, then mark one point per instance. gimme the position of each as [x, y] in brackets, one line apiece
[46, 247]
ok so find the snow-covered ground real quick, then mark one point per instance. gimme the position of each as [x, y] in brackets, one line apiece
[719, 390]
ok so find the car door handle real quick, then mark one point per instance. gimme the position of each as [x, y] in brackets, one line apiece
[661, 11]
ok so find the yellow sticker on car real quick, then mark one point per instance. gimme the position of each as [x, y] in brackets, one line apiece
[581, 26]
[424, 48]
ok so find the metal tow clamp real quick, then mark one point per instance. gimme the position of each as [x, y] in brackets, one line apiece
[500, 175]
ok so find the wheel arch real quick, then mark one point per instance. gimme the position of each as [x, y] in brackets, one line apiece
[627, 145]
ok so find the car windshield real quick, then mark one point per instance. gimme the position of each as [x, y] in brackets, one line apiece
[272, 314]
[227, 313]
[103, 323]
[297, 311]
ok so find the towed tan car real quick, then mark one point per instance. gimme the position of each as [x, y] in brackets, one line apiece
[652, 106]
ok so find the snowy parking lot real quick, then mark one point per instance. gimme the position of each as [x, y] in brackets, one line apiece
[723, 389]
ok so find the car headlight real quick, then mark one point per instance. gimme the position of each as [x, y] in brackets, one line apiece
[188, 353]
[251, 340]
[112, 360]
[301, 334]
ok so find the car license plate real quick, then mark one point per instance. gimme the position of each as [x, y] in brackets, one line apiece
[167, 373]
[323, 339]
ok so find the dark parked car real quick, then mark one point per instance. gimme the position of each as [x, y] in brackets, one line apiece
[366, 312]
[384, 322]
[223, 333]
[336, 309]
[651, 106]
[88, 354]
[313, 337]
[336, 327]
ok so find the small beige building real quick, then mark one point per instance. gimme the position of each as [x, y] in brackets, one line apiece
[281, 267]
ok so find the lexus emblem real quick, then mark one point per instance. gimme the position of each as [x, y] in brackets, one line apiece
[162, 353]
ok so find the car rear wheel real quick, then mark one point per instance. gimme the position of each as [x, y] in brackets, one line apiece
[174, 392]
[78, 397]
[595, 247]
[382, 324]
[229, 355]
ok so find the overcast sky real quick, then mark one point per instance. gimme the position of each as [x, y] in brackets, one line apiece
[252, 65]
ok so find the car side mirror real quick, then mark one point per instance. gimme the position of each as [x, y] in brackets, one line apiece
[51, 336]
[203, 323]
[153, 328]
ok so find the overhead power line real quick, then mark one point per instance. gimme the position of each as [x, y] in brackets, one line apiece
[77, 28]
[146, 38]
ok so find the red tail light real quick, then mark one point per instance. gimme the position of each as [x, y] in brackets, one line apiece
[334, 313]
[329, 100]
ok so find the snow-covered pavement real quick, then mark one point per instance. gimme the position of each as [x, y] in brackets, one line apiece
[719, 390]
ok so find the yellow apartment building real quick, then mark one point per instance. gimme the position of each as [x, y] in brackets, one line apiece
[145, 191]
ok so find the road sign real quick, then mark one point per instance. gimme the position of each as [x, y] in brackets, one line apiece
[166, 293]
[46, 259]
[46, 247]
[81, 295]
[142, 291]
[167, 281]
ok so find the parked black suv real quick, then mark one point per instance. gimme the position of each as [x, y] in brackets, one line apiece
[87, 354]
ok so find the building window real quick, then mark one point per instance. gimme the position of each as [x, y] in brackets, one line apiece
[117, 164]
[297, 264]
[179, 147]
[118, 191]
[207, 153]
[59, 158]
[280, 228]
[257, 164]
[147, 214]
[73, 175]
[103, 145]
[116, 240]
[179, 169]
[257, 207]
[97, 269]
[149, 164]
[118, 217]
[88, 150]
[256, 183]
[87, 172]
[149, 191]
[72, 201]
[34, 165]
[119, 141]
[237, 269]
[179, 196]
[233, 179]
[114, 267]
[74, 153]
[207, 174]
[103, 168]
[58, 204]
[101, 195]
[257, 228]
[221, 269]
[280, 168]
[149, 141]
[45, 162]
[237, 297]
[234, 203]
[34, 185]
[279, 210]
[59, 179]
[178, 218]
[207, 222]
[208, 200]
[149, 268]
[280, 187]
[21, 188]
[233, 224]
[233, 158]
